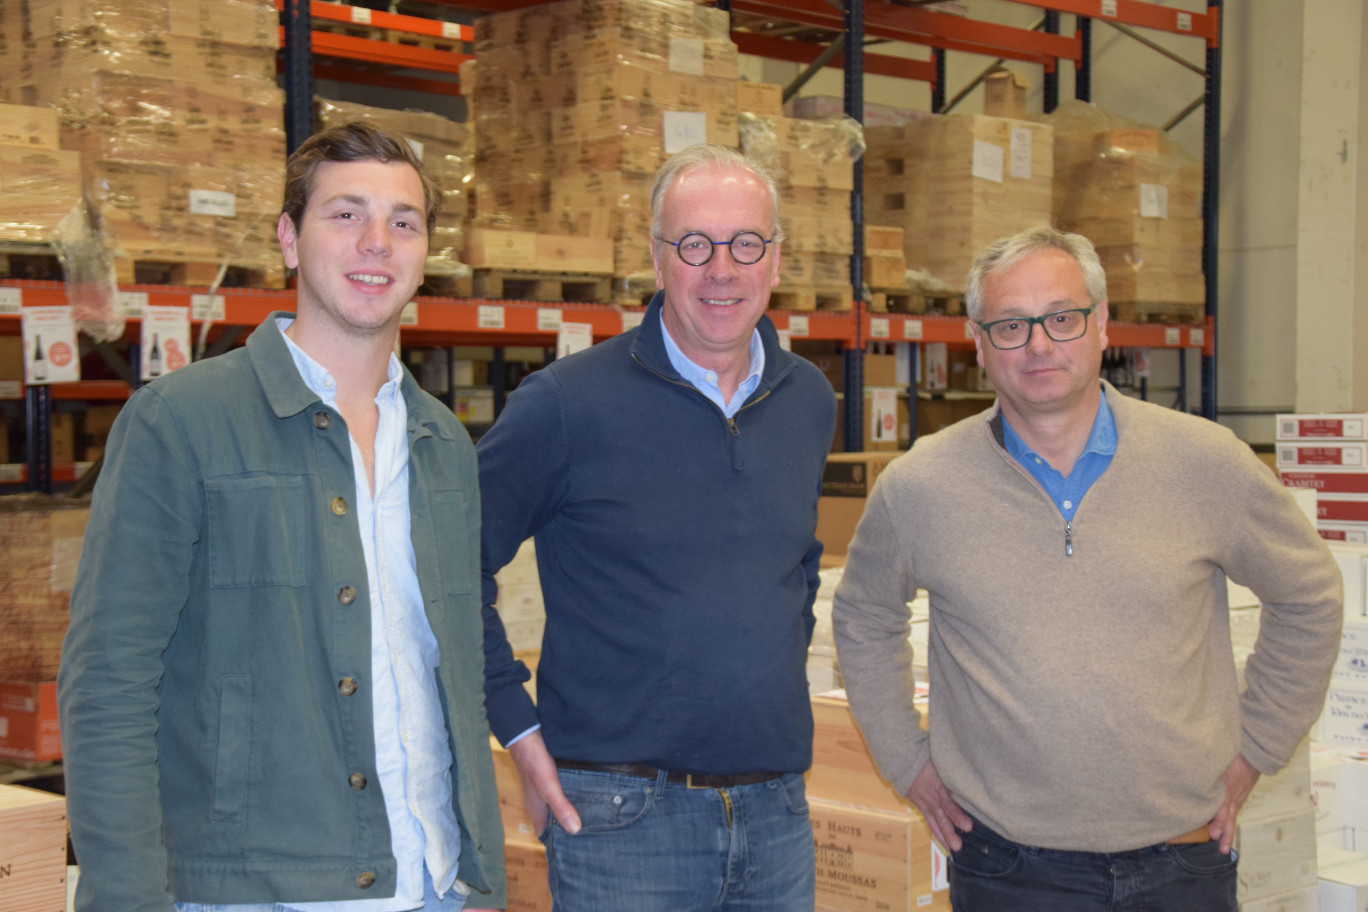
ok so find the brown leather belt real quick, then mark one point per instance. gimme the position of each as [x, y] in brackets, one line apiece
[1201, 834]
[690, 780]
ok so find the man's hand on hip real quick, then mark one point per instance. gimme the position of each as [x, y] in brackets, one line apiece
[1239, 779]
[541, 785]
[938, 807]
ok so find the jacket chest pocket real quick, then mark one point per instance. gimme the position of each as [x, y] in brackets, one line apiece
[261, 531]
[454, 536]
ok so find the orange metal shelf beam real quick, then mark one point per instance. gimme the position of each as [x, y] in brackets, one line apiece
[386, 52]
[1145, 15]
[893, 327]
[803, 52]
[356, 15]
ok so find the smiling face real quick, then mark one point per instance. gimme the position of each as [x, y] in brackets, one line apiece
[711, 310]
[1044, 377]
[360, 246]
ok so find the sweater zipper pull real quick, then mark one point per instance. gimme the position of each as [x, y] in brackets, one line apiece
[1068, 538]
[731, 425]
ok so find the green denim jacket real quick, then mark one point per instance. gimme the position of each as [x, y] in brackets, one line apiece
[210, 749]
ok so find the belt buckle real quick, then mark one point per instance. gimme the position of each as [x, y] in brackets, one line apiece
[689, 783]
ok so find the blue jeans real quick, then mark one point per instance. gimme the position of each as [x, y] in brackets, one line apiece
[991, 873]
[652, 846]
[454, 901]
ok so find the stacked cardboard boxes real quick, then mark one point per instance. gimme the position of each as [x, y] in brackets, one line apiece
[39, 181]
[1328, 453]
[1137, 196]
[174, 107]
[955, 184]
[1276, 839]
[576, 105]
[445, 148]
[33, 850]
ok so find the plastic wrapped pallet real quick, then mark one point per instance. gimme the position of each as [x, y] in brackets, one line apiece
[955, 184]
[578, 103]
[40, 537]
[174, 107]
[1138, 197]
[39, 182]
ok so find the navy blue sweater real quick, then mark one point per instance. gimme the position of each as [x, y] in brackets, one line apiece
[677, 554]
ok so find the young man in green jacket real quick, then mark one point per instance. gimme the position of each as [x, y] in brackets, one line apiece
[271, 691]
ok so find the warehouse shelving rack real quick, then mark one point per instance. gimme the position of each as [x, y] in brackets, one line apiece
[502, 323]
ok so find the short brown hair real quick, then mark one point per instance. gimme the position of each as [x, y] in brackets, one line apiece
[350, 142]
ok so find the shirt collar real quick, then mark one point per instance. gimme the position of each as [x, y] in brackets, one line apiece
[1101, 439]
[701, 377]
[317, 378]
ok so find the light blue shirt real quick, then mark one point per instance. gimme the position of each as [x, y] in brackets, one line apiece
[412, 755]
[705, 381]
[1068, 491]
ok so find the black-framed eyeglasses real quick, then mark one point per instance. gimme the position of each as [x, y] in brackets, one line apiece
[1015, 332]
[696, 248]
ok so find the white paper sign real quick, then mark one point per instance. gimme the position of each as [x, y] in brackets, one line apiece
[912, 329]
[1172, 335]
[1184, 22]
[11, 301]
[490, 316]
[213, 202]
[1153, 201]
[408, 316]
[686, 55]
[879, 328]
[449, 29]
[165, 340]
[132, 303]
[884, 415]
[50, 352]
[1021, 153]
[574, 337]
[987, 161]
[548, 319]
[684, 129]
[207, 307]
[1109, 8]
[1197, 337]
[361, 15]
[798, 325]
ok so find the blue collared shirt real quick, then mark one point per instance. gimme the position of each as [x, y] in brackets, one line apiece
[412, 755]
[1067, 492]
[705, 381]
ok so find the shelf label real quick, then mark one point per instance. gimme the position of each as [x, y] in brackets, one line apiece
[1109, 8]
[132, 303]
[165, 341]
[208, 307]
[1172, 336]
[879, 328]
[1185, 22]
[11, 389]
[491, 316]
[798, 325]
[1197, 337]
[451, 30]
[574, 337]
[631, 319]
[12, 471]
[912, 329]
[11, 301]
[987, 162]
[409, 315]
[50, 352]
[361, 15]
[213, 202]
[548, 319]
[684, 129]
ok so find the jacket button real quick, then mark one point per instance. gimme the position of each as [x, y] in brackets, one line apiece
[357, 781]
[365, 880]
[339, 506]
[346, 595]
[347, 686]
[322, 420]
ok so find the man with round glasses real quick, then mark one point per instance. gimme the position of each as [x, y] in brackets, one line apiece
[1089, 748]
[669, 477]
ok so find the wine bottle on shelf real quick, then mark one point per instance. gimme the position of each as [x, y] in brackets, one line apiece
[39, 360]
[154, 358]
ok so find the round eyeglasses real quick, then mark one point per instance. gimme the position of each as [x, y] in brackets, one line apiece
[1060, 326]
[696, 248]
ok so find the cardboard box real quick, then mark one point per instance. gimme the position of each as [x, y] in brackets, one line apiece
[762, 98]
[1323, 456]
[1327, 482]
[491, 248]
[41, 539]
[29, 126]
[1277, 854]
[33, 850]
[1323, 425]
[525, 860]
[846, 482]
[1306, 899]
[1354, 533]
[842, 770]
[28, 722]
[1286, 792]
[1344, 886]
[1342, 508]
[875, 861]
[516, 823]
[1004, 94]
[563, 253]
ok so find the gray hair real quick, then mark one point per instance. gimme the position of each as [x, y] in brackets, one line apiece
[1006, 252]
[709, 155]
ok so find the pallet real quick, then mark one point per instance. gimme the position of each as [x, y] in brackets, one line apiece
[542, 286]
[811, 297]
[390, 36]
[906, 300]
[29, 260]
[1155, 312]
[447, 285]
[158, 270]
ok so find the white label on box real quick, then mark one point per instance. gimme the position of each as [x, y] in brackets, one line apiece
[361, 15]
[798, 325]
[132, 303]
[548, 319]
[409, 315]
[987, 162]
[574, 337]
[684, 129]
[912, 329]
[1153, 201]
[1109, 8]
[879, 328]
[1021, 152]
[490, 316]
[207, 307]
[1185, 22]
[11, 301]
[631, 319]
[1172, 336]
[49, 340]
[213, 202]
[686, 55]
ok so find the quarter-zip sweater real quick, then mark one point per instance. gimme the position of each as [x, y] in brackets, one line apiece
[1084, 696]
[677, 554]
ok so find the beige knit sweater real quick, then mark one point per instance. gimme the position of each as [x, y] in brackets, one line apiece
[1086, 702]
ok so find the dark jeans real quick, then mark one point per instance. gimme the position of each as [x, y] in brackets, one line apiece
[992, 874]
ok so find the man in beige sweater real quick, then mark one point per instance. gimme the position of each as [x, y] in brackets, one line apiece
[1088, 746]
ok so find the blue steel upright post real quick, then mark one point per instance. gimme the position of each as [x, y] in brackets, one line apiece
[854, 107]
